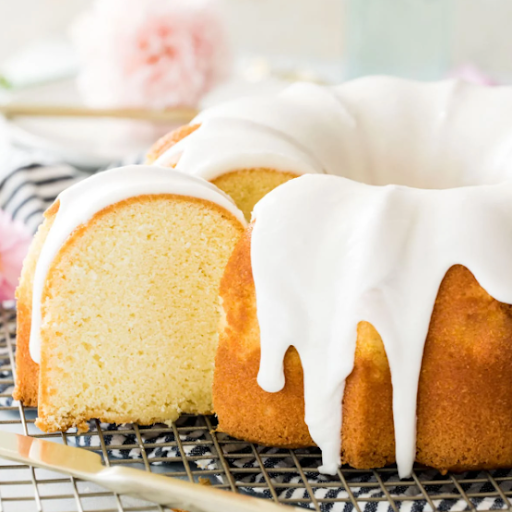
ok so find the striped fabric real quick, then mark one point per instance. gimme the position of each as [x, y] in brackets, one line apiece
[28, 190]
[31, 180]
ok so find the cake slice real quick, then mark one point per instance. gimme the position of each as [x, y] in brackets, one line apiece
[125, 327]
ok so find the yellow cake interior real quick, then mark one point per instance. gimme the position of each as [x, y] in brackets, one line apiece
[131, 311]
[248, 186]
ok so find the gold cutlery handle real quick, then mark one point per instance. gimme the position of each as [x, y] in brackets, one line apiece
[177, 115]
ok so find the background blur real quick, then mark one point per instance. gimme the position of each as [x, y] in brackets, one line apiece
[320, 32]
[273, 42]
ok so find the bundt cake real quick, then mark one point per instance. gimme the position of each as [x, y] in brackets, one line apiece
[366, 309]
[351, 301]
[118, 300]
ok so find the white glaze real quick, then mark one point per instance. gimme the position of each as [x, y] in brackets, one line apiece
[79, 203]
[223, 145]
[375, 130]
[322, 264]
[298, 131]
[328, 252]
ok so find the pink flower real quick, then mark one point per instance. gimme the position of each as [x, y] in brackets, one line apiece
[14, 243]
[150, 53]
[470, 73]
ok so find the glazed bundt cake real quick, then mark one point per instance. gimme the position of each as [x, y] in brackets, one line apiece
[118, 301]
[352, 302]
[373, 302]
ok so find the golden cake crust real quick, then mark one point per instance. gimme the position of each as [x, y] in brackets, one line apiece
[27, 372]
[167, 141]
[464, 399]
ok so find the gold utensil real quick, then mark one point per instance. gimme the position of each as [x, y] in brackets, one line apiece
[86, 465]
[181, 115]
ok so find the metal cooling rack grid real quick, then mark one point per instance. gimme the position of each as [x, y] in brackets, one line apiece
[192, 450]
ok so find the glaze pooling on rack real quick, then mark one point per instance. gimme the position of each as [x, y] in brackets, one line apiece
[328, 252]
[80, 202]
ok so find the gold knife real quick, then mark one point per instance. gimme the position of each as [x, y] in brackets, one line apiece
[87, 465]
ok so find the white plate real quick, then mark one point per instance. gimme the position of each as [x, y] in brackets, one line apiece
[85, 142]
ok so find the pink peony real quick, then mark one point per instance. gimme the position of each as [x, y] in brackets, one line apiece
[150, 53]
[14, 242]
[472, 74]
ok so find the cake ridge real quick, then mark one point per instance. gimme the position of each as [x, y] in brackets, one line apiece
[232, 144]
[294, 115]
[356, 130]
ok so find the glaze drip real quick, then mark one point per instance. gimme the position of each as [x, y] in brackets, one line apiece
[328, 253]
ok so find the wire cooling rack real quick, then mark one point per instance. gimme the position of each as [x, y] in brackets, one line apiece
[192, 450]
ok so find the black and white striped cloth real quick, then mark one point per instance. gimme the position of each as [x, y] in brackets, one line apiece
[31, 180]
[28, 189]
[287, 481]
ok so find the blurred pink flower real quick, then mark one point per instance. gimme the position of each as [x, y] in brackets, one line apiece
[472, 74]
[14, 242]
[150, 53]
